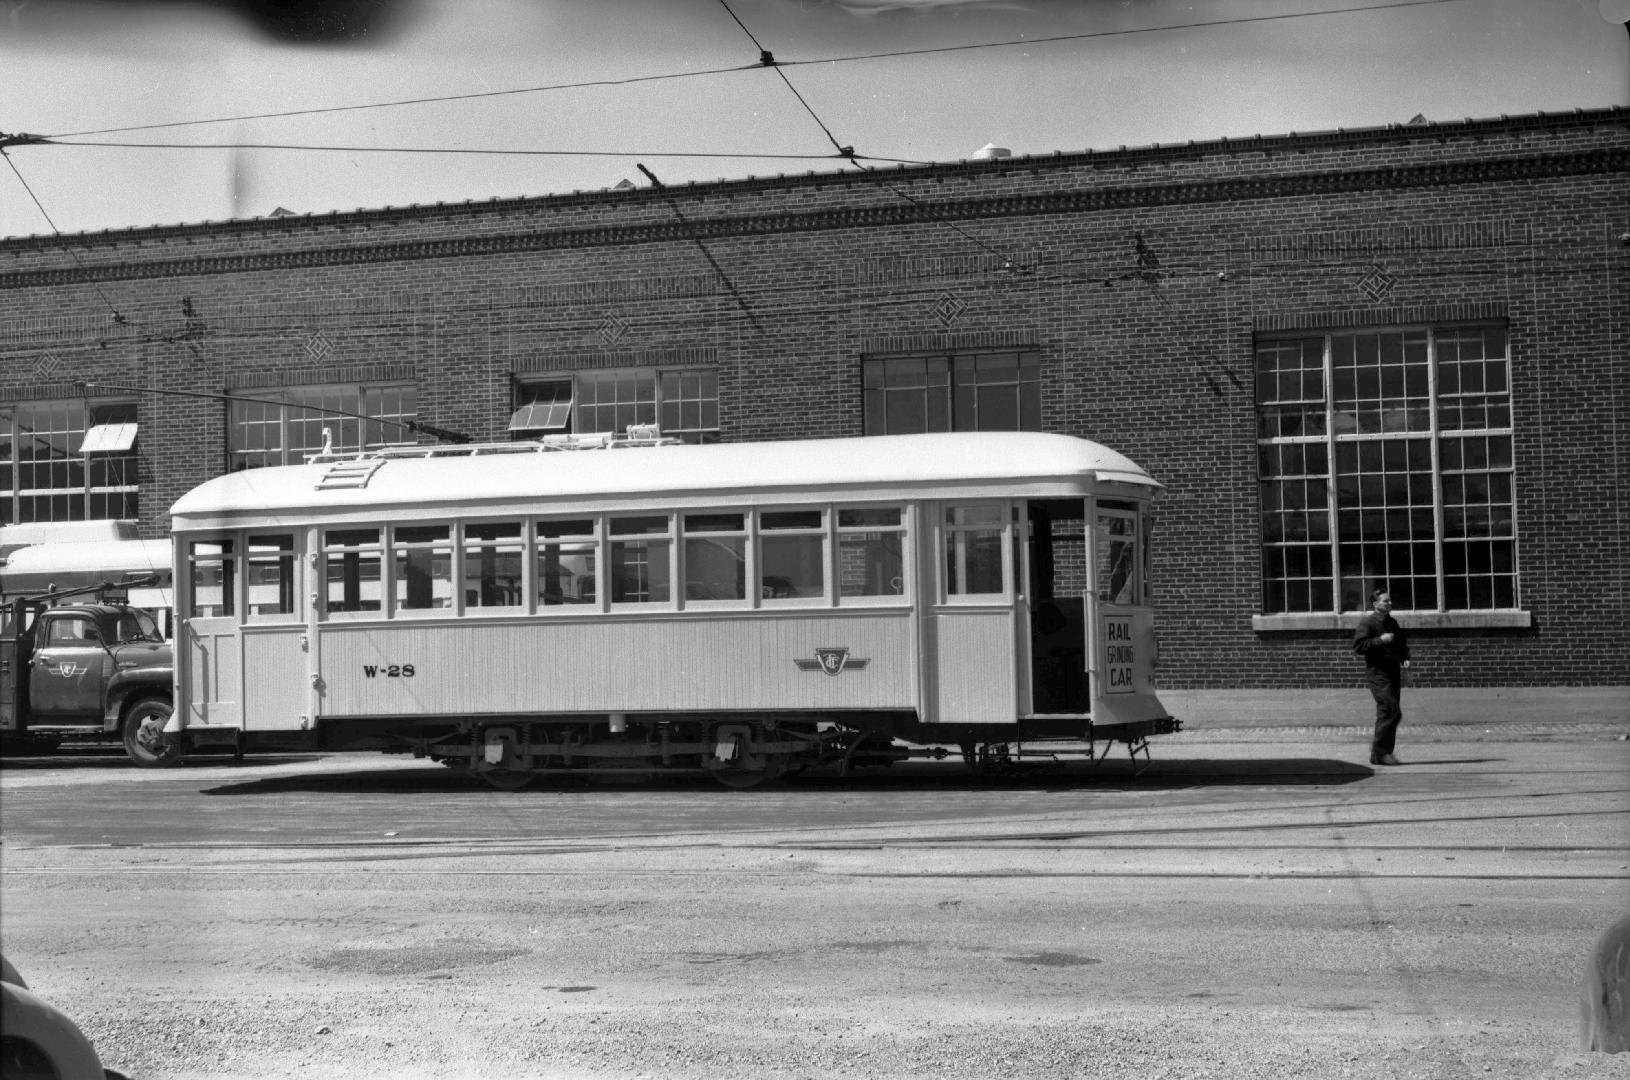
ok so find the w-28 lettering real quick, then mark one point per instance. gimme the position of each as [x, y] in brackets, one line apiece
[389, 671]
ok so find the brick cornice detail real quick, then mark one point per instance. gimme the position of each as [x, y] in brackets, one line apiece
[1475, 311]
[397, 371]
[891, 344]
[1090, 200]
[679, 356]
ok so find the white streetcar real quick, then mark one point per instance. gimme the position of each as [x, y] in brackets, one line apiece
[598, 604]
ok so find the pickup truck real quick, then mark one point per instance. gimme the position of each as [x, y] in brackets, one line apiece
[86, 669]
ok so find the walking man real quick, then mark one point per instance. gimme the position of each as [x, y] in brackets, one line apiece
[1385, 649]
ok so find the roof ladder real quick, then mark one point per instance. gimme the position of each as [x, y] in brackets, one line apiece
[350, 474]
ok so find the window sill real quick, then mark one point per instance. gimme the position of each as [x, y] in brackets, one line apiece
[1410, 620]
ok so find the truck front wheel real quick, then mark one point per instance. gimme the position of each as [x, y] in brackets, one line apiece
[144, 733]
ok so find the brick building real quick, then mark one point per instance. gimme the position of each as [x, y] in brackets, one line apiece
[1390, 355]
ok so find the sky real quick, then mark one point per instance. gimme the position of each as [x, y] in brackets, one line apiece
[1128, 73]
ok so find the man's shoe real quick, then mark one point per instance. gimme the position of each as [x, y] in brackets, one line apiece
[1384, 759]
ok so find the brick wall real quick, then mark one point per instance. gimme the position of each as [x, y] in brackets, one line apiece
[796, 278]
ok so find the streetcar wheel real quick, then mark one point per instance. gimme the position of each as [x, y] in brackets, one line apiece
[143, 730]
[508, 779]
[746, 778]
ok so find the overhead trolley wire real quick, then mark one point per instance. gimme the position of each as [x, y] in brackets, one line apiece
[848, 152]
[117, 316]
[486, 150]
[1116, 33]
[765, 61]
[409, 101]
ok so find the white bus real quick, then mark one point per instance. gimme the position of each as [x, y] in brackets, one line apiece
[602, 605]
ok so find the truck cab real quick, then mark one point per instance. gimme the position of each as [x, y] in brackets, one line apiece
[78, 669]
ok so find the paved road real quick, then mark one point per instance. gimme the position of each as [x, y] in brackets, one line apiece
[1246, 907]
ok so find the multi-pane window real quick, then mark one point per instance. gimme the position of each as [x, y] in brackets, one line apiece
[494, 552]
[976, 391]
[68, 461]
[684, 404]
[1385, 459]
[281, 427]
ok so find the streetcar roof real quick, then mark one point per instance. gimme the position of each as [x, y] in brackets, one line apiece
[95, 556]
[452, 478]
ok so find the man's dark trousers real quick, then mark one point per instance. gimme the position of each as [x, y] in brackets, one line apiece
[1385, 685]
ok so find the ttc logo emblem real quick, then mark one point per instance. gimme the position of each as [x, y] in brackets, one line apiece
[833, 661]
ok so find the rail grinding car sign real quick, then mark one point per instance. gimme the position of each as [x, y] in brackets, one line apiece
[1119, 655]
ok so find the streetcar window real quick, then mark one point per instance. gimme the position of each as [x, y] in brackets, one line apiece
[1117, 556]
[352, 570]
[211, 567]
[493, 556]
[1146, 561]
[423, 559]
[640, 559]
[715, 556]
[973, 550]
[566, 559]
[871, 551]
[791, 554]
[269, 574]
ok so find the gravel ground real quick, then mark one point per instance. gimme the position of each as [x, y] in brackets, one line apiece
[600, 968]
[1414, 924]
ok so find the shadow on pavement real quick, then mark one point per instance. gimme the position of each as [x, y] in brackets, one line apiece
[938, 776]
[109, 758]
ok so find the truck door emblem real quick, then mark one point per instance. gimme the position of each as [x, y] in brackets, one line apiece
[72, 670]
[833, 661]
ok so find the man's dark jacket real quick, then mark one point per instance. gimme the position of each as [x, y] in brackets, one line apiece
[1367, 642]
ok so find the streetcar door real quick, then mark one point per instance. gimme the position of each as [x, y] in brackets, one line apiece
[1057, 606]
[975, 644]
[208, 651]
[276, 683]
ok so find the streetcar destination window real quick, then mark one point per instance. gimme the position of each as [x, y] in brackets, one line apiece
[1117, 554]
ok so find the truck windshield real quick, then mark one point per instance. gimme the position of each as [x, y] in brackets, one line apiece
[136, 625]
